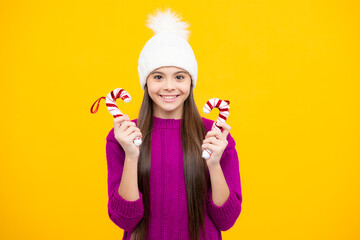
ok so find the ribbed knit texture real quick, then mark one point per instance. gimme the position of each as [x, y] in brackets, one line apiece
[168, 203]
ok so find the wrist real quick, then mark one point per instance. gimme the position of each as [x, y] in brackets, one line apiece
[129, 158]
[215, 167]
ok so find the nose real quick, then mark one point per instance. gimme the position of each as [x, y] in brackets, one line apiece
[169, 84]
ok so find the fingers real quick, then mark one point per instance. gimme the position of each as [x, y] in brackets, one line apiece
[207, 146]
[125, 125]
[215, 133]
[224, 133]
[130, 130]
[213, 148]
[118, 120]
[122, 123]
[212, 140]
[225, 127]
[134, 135]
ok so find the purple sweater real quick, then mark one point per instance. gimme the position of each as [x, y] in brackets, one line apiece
[168, 211]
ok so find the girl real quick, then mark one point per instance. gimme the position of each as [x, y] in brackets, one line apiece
[164, 189]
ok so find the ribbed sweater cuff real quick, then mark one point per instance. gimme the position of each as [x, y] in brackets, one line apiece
[125, 208]
[225, 211]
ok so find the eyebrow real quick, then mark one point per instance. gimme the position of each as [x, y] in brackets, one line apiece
[163, 73]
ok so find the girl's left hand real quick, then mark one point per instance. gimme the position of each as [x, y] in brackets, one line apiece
[216, 142]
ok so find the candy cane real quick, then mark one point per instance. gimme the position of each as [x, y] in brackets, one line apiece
[110, 101]
[223, 106]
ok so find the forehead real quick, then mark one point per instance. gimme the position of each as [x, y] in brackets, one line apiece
[169, 69]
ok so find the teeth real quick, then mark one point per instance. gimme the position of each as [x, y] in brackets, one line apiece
[169, 97]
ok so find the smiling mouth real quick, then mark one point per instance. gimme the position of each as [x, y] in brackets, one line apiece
[169, 97]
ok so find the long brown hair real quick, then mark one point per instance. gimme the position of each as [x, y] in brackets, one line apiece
[195, 170]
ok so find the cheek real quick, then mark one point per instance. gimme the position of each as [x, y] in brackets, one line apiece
[153, 89]
[185, 90]
[187, 87]
[152, 94]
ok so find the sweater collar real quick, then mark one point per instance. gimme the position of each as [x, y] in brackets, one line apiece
[166, 123]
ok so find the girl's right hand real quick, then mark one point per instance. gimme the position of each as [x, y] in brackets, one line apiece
[125, 132]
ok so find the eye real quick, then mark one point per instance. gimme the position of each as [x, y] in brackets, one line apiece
[182, 77]
[157, 76]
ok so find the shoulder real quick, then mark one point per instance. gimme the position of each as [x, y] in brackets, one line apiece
[208, 123]
[111, 136]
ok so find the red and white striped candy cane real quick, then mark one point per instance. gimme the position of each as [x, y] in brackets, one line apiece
[223, 106]
[110, 101]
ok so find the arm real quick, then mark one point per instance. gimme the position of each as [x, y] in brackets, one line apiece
[224, 197]
[128, 188]
[219, 188]
[125, 204]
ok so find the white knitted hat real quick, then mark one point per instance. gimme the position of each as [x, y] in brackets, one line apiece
[168, 47]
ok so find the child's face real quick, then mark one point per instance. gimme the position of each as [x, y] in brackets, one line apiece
[173, 82]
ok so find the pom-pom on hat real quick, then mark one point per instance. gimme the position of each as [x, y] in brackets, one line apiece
[168, 47]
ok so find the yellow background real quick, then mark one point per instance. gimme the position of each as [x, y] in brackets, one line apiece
[289, 68]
